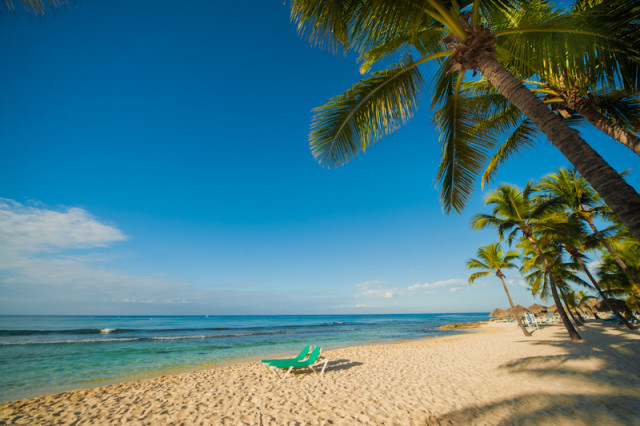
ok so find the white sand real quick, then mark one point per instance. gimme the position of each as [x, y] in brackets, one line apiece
[495, 376]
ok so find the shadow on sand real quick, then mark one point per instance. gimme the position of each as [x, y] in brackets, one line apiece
[619, 359]
[332, 365]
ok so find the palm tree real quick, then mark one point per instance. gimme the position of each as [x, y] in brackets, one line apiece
[618, 115]
[584, 301]
[609, 103]
[491, 258]
[582, 203]
[515, 213]
[539, 278]
[614, 279]
[470, 37]
[574, 240]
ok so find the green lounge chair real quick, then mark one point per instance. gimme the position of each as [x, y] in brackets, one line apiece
[310, 362]
[302, 355]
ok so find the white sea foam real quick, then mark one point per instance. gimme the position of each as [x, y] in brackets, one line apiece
[106, 330]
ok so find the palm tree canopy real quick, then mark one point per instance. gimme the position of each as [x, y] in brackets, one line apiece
[527, 35]
[491, 258]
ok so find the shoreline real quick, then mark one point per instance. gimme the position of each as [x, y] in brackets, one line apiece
[455, 329]
[491, 376]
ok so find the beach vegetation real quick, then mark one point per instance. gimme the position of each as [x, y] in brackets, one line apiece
[518, 214]
[492, 259]
[553, 222]
[502, 40]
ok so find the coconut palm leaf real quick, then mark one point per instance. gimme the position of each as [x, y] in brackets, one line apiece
[376, 106]
[464, 150]
[425, 41]
[618, 106]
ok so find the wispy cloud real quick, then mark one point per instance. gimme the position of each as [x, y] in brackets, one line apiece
[376, 289]
[54, 260]
[453, 282]
[380, 289]
[36, 229]
[593, 266]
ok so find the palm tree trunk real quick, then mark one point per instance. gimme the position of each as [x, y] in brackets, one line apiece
[573, 333]
[576, 320]
[513, 308]
[616, 192]
[600, 292]
[619, 261]
[600, 122]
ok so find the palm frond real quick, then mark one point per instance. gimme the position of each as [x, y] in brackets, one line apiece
[477, 275]
[375, 106]
[618, 106]
[523, 137]
[464, 150]
[425, 42]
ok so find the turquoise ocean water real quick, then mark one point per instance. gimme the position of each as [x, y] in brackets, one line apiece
[44, 354]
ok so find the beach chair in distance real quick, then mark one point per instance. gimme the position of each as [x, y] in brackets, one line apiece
[311, 362]
[302, 355]
[531, 320]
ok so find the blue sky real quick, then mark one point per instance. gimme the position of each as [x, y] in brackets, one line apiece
[154, 160]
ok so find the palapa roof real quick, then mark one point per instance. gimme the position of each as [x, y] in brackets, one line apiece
[499, 313]
[518, 310]
[535, 308]
[601, 306]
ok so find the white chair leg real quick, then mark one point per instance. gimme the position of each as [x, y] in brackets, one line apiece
[326, 361]
[275, 371]
[288, 371]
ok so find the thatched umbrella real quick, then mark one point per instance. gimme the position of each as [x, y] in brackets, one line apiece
[593, 302]
[499, 313]
[551, 309]
[517, 311]
[601, 306]
[535, 308]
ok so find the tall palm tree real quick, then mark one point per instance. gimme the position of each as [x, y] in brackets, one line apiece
[539, 278]
[491, 258]
[618, 116]
[470, 35]
[614, 279]
[514, 212]
[575, 240]
[611, 104]
[582, 202]
[584, 301]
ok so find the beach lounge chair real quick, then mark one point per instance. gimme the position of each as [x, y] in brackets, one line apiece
[531, 320]
[311, 362]
[302, 355]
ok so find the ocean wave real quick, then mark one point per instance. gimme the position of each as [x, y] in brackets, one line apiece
[78, 331]
[109, 330]
[171, 337]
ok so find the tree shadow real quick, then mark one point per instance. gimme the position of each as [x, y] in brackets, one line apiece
[606, 364]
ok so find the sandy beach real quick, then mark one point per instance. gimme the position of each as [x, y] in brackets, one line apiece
[491, 376]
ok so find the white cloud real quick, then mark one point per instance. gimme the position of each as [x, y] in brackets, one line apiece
[380, 290]
[516, 282]
[376, 289]
[52, 261]
[438, 284]
[31, 229]
[593, 266]
[367, 284]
